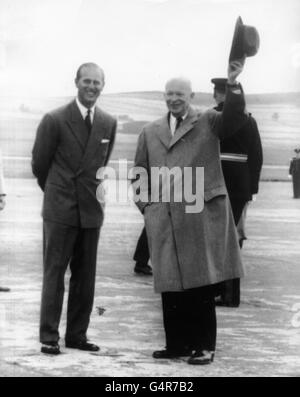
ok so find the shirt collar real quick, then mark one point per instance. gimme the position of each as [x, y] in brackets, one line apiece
[174, 119]
[83, 110]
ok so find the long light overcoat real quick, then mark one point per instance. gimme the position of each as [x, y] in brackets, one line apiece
[190, 250]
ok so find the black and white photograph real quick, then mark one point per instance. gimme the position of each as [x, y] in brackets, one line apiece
[149, 191]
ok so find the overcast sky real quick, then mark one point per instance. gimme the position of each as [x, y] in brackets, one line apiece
[142, 43]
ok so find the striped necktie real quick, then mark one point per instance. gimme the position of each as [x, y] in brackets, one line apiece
[178, 122]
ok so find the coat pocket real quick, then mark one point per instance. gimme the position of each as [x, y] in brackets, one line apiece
[214, 192]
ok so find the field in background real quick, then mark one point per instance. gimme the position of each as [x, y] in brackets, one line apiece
[279, 125]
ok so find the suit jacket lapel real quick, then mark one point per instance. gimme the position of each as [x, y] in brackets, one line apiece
[76, 124]
[187, 124]
[96, 135]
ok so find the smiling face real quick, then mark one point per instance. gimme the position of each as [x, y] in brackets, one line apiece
[90, 83]
[178, 96]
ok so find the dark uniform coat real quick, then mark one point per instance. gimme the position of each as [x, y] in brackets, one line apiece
[242, 158]
[192, 250]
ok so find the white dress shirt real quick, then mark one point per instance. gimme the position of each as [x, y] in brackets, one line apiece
[173, 122]
[83, 110]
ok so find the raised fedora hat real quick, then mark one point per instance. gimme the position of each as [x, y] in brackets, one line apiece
[245, 41]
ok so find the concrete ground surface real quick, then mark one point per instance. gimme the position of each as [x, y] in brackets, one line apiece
[260, 338]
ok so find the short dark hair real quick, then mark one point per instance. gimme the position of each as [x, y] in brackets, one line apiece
[89, 64]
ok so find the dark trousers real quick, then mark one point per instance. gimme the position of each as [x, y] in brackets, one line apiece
[189, 318]
[231, 294]
[65, 245]
[142, 254]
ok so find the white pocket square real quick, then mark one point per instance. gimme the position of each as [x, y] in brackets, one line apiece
[105, 140]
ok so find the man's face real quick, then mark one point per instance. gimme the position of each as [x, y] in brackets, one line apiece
[219, 96]
[178, 96]
[90, 84]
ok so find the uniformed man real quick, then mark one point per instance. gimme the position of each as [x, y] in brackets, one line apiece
[142, 255]
[242, 158]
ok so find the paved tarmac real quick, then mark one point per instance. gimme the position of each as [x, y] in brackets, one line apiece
[260, 338]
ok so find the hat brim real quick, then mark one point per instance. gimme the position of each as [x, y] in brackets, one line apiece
[236, 51]
[245, 42]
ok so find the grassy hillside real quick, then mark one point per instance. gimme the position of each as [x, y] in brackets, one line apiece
[277, 115]
[203, 98]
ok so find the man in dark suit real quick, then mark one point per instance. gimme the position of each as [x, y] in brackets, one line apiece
[71, 144]
[142, 255]
[241, 159]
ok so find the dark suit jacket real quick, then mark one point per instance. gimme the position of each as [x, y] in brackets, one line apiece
[242, 177]
[66, 166]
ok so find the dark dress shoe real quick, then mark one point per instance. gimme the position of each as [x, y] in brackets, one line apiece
[83, 345]
[201, 357]
[232, 304]
[170, 353]
[141, 268]
[4, 289]
[50, 348]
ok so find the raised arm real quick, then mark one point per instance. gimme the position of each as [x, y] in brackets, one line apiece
[233, 115]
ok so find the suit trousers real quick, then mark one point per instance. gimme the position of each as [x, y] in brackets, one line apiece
[231, 288]
[142, 254]
[189, 318]
[66, 245]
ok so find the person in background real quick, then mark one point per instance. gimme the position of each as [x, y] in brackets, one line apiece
[142, 256]
[241, 159]
[2, 203]
[72, 144]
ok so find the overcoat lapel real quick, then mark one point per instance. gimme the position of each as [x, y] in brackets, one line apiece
[187, 124]
[163, 131]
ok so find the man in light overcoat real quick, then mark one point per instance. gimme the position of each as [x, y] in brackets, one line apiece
[191, 253]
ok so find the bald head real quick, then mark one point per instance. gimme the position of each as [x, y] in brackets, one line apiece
[181, 82]
[178, 95]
